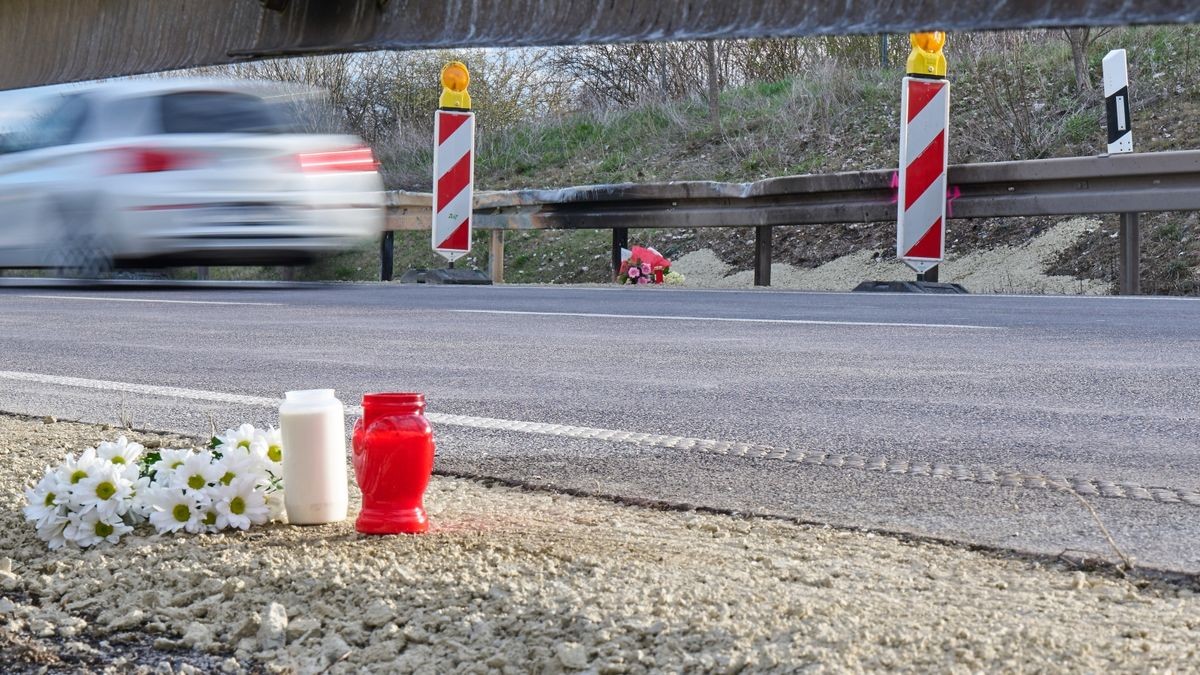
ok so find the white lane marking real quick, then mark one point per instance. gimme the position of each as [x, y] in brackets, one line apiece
[980, 474]
[132, 388]
[798, 322]
[172, 302]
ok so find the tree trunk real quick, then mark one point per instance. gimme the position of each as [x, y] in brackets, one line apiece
[714, 88]
[1078, 39]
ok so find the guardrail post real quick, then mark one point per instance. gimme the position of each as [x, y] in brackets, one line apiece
[496, 257]
[202, 273]
[762, 255]
[386, 249]
[620, 241]
[1131, 254]
[930, 275]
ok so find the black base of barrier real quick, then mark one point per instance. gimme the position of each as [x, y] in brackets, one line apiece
[446, 276]
[908, 287]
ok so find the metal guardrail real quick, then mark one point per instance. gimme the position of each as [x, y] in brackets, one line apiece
[1123, 184]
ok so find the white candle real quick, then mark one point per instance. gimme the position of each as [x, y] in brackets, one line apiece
[313, 427]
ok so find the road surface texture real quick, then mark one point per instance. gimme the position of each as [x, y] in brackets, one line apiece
[969, 419]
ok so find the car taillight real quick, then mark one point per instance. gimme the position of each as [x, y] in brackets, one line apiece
[353, 159]
[151, 160]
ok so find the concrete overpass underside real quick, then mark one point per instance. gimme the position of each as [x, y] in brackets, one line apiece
[70, 40]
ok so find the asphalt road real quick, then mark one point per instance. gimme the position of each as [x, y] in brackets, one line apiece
[944, 416]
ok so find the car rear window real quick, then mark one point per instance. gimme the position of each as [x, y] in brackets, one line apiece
[219, 112]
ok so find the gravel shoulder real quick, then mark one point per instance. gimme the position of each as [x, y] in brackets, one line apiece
[519, 581]
[1002, 269]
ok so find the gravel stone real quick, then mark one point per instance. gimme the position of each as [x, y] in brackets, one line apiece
[298, 628]
[197, 636]
[378, 613]
[272, 633]
[334, 647]
[572, 655]
[518, 581]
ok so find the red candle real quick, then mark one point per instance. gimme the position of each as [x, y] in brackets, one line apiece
[393, 460]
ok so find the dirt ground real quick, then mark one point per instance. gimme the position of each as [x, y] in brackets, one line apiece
[516, 581]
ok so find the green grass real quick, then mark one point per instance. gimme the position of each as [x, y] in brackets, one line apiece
[1081, 126]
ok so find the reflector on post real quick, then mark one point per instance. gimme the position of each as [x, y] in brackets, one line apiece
[924, 151]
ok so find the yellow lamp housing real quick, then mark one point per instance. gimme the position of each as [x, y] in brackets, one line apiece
[926, 59]
[455, 78]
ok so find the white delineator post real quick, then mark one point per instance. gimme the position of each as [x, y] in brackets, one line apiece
[453, 179]
[1120, 141]
[1116, 102]
[921, 218]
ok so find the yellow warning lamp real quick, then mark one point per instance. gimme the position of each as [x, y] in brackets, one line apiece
[455, 79]
[926, 59]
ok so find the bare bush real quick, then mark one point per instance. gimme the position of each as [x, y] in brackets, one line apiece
[1026, 110]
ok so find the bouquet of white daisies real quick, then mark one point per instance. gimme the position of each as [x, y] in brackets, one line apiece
[106, 491]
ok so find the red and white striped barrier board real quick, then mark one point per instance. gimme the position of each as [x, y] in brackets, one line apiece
[924, 124]
[453, 178]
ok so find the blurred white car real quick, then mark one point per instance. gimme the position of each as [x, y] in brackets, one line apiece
[181, 172]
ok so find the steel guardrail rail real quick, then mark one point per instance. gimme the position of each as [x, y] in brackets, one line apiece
[1140, 182]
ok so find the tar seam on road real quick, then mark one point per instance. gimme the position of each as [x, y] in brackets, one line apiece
[984, 475]
[172, 302]
[799, 322]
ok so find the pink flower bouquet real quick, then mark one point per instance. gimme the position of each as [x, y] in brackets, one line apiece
[643, 266]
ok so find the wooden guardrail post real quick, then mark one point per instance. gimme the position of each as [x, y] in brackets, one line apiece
[620, 241]
[496, 257]
[1131, 255]
[386, 249]
[762, 255]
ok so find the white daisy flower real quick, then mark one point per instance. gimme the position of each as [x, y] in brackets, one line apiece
[210, 519]
[240, 505]
[74, 469]
[174, 508]
[253, 459]
[52, 532]
[274, 440]
[139, 507]
[206, 520]
[106, 489]
[90, 527]
[236, 464]
[266, 468]
[242, 437]
[46, 500]
[122, 452]
[169, 459]
[196, 472]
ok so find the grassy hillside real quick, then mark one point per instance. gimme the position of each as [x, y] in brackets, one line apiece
[1019, 104]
